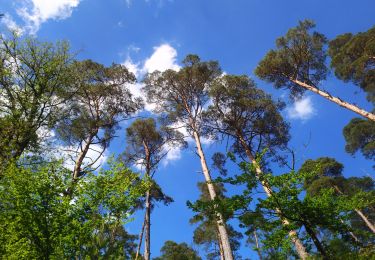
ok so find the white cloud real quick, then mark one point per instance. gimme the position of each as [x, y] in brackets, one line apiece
[36, 12]
[301, 109]
[163, 58]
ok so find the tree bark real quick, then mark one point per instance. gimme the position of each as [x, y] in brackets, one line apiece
[228, 255]
[354, 237]
[140, 238]
[316, 241]
[359, 212]
[148, 227]
[257, 245]
[220, 245]
[336, 100]
[82, 155]
[147, 205]
[300, 248]
[366, 220]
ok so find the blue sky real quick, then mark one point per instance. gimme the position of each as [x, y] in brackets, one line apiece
[157, 34]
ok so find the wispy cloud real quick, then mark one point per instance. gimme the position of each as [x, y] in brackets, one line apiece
[302, 109]
[8, 21]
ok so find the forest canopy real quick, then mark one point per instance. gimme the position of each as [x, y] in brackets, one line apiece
[66, 193]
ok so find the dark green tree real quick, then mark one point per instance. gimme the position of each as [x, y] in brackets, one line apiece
[360, 136]
[146, 147]
[353, 60]
[180, 97]
[298, 63]
[173, 251]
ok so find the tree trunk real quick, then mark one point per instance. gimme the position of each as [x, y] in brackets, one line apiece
[300, 248]
[220, 245]
[354, 237]
[336, 100]
[366, 220]
[82, 155]
[359, 212]
[316, 241]
[228, 255]
[148, 227]
[140, 238]
[257, 245]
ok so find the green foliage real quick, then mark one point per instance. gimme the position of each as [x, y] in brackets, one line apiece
[32, 75]
[39, 222]
[173, 251]
[360, 136]
[181, 95]
[299, 55]
[206, 233]
[353, 59]
[245, 113]
[98, 101]
[147, 144]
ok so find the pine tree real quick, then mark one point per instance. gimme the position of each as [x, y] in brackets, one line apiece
[180, 96]
[250, 117]
[298, 63]
[147, 146]
[99, 101]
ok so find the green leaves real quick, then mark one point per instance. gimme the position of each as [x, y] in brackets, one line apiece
[38, 221]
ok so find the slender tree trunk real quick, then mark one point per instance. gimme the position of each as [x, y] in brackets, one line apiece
[228, 255]
[336, 100]
[359, 212]
[147, 205]
[355, 238]
[140, 238]
[148, 227]
[300, 248]
[366, 220]
[259, 251]
[220, 245]
[316, 241]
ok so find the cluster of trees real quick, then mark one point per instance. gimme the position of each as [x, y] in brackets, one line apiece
[50, 101]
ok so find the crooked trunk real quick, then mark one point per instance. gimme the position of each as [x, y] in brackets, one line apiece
[300, 248]
[228, 255]
[336, 100]
[82, 155]
[359, 212]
